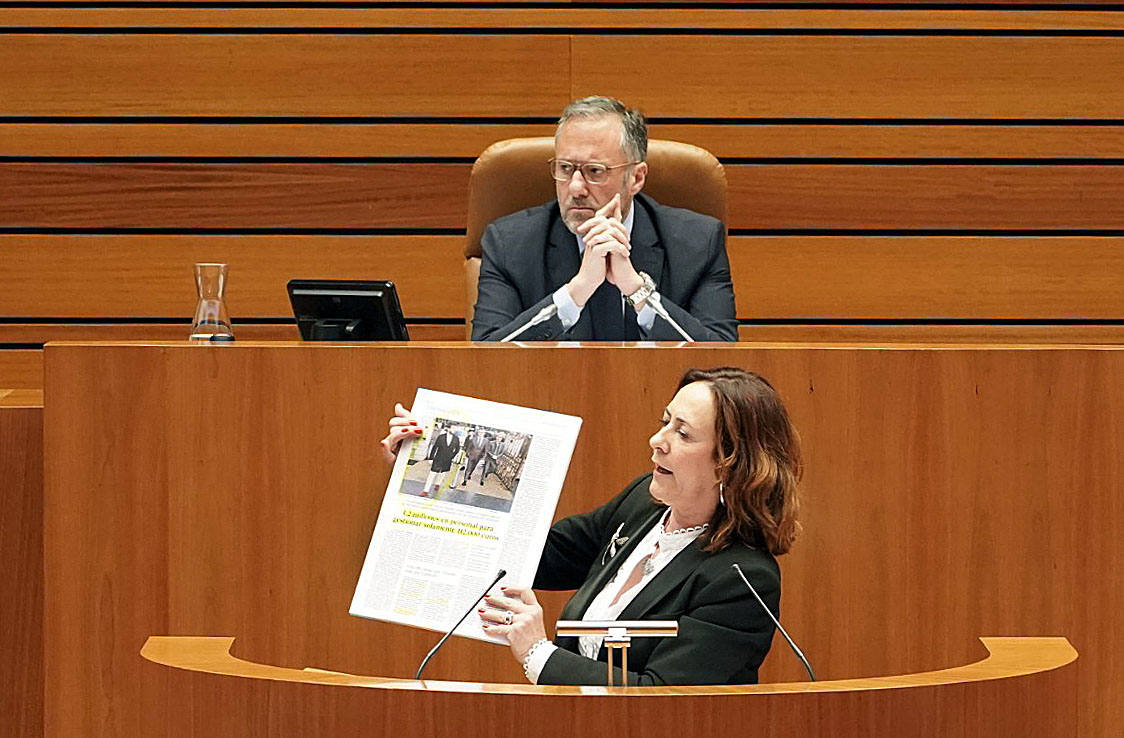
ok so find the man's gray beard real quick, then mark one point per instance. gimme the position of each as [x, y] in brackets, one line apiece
[572, 228]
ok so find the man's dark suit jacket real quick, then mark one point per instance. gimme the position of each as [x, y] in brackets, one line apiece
[723, 632]
[528, 255]
[445, 452]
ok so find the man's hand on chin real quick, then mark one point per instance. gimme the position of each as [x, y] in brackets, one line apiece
[605, 241]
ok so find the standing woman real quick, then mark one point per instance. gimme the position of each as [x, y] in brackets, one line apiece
[722, 490]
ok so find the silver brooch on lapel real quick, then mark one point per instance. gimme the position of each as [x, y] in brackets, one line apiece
[615, 544]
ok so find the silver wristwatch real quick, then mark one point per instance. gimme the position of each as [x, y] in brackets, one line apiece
[645, 291]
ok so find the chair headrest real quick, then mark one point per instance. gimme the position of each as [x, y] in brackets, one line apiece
[512, 175]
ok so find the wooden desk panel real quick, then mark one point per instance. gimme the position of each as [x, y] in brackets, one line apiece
[233, 490]
[21, 551]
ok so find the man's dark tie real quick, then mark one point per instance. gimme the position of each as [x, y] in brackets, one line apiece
[604, 308]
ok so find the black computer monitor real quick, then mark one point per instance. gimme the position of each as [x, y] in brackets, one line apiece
[347, 310]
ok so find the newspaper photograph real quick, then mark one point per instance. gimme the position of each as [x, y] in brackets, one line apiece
[474, 494]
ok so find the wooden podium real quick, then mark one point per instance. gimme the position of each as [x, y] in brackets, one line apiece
[1015, 691]
[232, 490]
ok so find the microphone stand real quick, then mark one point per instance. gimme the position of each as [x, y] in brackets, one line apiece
[654, 301]
[432, 651]
[541, 316]
[791, 643]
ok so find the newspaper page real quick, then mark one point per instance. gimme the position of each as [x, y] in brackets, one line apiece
[474, 494]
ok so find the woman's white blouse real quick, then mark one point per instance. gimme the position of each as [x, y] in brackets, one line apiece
[603, 608]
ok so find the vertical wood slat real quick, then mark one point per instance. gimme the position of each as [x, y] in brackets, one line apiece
[21, 550]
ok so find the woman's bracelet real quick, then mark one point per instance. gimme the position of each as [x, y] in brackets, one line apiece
[531, 652]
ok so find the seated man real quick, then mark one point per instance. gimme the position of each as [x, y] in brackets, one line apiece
[591, 260]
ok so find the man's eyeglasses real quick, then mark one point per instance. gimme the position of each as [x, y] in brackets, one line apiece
[592, 172]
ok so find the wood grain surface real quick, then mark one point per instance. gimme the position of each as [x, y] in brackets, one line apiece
[152, 277]
[44, 332]
[939, 504]
[785, 76]
[246, 74]
[561, 18]
[278, 196]
[783, 278]
[969, 196]
[21, 550]
[1007, 657]
[1068, 334]
[919, 278]
[21, 369]
[858, 76]
[271, 196]
[468, 138]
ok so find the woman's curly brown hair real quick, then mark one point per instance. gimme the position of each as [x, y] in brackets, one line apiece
[758, 458]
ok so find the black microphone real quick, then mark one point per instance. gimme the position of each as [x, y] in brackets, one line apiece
[502, 573]
[795, 648]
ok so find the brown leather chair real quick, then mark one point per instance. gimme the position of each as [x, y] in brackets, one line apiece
[512, 175]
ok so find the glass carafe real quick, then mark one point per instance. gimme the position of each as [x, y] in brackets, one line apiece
[212, 322]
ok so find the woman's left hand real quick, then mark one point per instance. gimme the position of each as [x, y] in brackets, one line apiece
[526, 627]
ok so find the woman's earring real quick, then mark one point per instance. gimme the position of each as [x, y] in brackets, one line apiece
[721, 499]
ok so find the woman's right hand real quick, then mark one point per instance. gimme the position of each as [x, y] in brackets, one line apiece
[402, 427]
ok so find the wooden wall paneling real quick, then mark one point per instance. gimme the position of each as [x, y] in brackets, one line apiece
[1012, 3]
[895, 333]
[938, 502]
[354, 75]
[887, 140]
[464, 139]
[21, 550]
[786, 278]
[848, 76]
[136, 276]
[425, 195]
[873, 196]
[703, 76]
[21, 368]
[563, 18]
[917, 277]
[467, 139]
[191, 195]
[44, 332]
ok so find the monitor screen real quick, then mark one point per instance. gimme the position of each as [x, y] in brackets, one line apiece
[347, 310]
